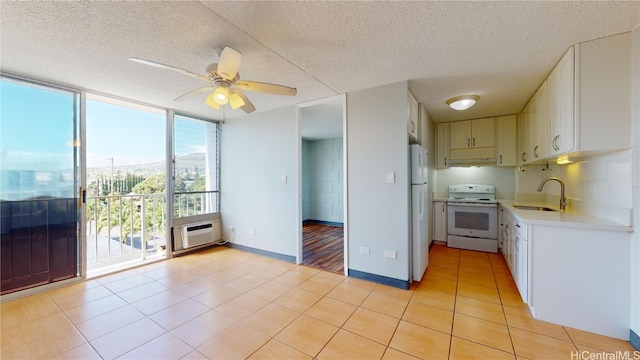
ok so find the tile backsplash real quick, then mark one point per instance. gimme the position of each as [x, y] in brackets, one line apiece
[599, 185]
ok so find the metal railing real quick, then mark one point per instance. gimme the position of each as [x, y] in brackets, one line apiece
[124, 228]
[195, 203]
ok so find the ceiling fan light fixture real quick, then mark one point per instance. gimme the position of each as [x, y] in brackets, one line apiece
[235, 100]
[221, 95]
[462, 102]
[210, 101]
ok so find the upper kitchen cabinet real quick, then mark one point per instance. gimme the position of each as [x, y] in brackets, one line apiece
[472, 133]
[561, 91]
[533, 128]
[589, 98]
[506, 141]
[472, 140]
[442, 145]
[414, 119]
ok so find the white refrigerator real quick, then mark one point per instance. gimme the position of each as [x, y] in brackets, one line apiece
[419, 211]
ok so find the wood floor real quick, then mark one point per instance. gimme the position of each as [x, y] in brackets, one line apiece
[323, 247]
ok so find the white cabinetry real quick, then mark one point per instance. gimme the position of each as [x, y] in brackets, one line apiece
[442, 145]
[540, 124]
[561, 93]
[473, 133]
[521, 263]
[590, 103]
[507, 237]
[414, 118]
[440, 220]
[533, 128]
[506, 141]
[515, 250]
[580, 278]
[472, 140]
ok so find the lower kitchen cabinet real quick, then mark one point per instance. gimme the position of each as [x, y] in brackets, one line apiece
[580, 278]
[440, 221]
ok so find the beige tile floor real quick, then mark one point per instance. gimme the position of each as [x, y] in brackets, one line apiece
[228, 304]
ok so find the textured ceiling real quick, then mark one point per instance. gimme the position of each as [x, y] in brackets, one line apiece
[501, 51]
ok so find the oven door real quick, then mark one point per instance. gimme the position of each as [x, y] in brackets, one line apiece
[472, 220]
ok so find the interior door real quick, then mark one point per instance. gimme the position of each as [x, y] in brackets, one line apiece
[40, 185]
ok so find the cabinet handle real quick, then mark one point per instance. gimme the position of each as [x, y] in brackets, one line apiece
[474, 142]
[524, 156]
[468, 142]
[556, 147]
[535, 151]
[445, 161]
[500, 158]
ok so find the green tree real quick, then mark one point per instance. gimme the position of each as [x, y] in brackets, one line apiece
[156, 183]
[198, 185]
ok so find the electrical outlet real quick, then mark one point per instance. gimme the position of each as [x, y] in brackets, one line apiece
[252, 231]
[390, 254]
[365, 250]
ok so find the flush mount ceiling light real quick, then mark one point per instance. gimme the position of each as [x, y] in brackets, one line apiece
[462, 102]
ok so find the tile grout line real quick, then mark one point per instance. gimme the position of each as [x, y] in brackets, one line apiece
[502, 305]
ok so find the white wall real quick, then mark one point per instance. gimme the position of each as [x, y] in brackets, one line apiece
[257, 151]
[635, 141]
[322, 184]
[378, 211]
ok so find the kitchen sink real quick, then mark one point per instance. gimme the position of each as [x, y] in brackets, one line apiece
[534, 208]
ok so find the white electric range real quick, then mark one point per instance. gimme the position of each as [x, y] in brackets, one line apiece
[472, 217]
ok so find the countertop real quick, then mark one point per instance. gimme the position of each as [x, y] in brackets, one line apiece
[568, 218]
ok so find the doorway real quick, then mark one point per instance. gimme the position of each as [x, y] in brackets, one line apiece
[39, 185]
[322, 214]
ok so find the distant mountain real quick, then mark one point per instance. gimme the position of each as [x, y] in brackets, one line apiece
[187, 161]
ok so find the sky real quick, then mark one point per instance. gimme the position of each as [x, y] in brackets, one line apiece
[37, 128]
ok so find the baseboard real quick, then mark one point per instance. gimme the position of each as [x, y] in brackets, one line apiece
[634, 339]
[322, 222]
[273, 255]
[401, 284]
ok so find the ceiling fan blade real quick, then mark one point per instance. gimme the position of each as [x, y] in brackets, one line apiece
[168, 67]
[193, 93]
[229, 63]
[266, 88]
[248, 106]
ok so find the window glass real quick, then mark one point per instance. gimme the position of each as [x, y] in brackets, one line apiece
[195, 167]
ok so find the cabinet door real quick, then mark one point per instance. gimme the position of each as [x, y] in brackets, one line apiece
[506, 141]
[414, 118]
[460, 134]
[440, 221]
[522, 271]
[442, 145]
[561, 92]
[540, 124]
[483, 132]
[523, 139]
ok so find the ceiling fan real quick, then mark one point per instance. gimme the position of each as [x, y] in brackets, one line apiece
[227, 87]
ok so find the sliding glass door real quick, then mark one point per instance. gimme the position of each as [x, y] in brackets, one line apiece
[39, 185]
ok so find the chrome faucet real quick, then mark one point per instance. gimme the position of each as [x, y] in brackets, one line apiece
[563, 199]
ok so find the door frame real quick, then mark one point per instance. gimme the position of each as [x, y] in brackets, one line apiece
[345, 205]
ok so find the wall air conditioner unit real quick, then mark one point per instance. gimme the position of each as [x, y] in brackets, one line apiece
[201, 233]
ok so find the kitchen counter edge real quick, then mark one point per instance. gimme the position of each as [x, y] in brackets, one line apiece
[567, 219]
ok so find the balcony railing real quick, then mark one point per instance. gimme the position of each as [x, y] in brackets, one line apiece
[126, 228]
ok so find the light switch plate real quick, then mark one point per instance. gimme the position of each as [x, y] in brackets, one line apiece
[391, 177]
